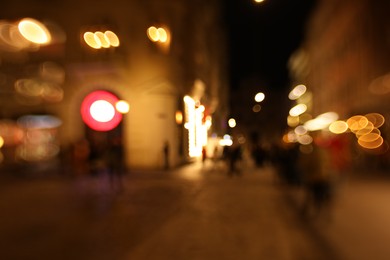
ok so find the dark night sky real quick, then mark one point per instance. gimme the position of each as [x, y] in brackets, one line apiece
[263, 36]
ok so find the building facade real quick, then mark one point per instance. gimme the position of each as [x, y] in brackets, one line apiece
[344, 62]
[154, 76]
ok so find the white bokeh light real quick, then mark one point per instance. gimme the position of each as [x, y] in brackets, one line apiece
[102, 111]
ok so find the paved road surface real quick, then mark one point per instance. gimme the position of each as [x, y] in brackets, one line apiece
[192, 213]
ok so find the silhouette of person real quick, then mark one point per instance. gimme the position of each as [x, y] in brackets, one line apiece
[115, 162]
[318, 181]
[166, 155]
[234, 155]
[204, 154]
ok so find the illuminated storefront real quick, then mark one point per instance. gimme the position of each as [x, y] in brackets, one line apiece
[197, 125]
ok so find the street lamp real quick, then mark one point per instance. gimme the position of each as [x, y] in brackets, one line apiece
[34, 31]
[161, 36]
[157, 34]
[259, 97]
[98, 40]
[232, 123]
[122, 106]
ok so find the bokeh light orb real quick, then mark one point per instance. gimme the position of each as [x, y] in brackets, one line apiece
[259, 97]
[153, 34]
[163, 36]
[98, 111]
[102, 111]
[122, 106]
[34, 31]
[112, 38]
[232, 123]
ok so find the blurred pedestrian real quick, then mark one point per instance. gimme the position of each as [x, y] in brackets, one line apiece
[258, 155]
[204, 155]
[215, 157]
[80, 154]
[98, 156]
[318, 180]
[234, 157]
[166, 155]
[116, 163]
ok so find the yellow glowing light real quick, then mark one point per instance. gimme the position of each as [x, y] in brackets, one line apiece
[338, 127]
[11, 38]
[163, 36]
[371, 137]
[321, 122]
[34, 31]
[112, 38]
[376, 119]
[102, 39]
[208, 122]
[292, 121]
[297, 92]
[122, 106]
[355, 123]
[285, 139]
[365, 130]
[153, 34]
[102, 111]
[157, 34]
[259, 97]
[259, 1]
[376, 143]
[92, 40]
[99, 39]
[29, 87]
[232, 123]
[298, 110]
[197, 132]
[1, 141]
[179, 117]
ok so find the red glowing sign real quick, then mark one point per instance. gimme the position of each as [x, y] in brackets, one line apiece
[98, 111]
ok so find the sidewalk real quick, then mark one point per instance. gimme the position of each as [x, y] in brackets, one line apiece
[359, 221]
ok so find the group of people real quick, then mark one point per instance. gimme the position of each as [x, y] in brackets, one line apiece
[317, 171]
[100, 156]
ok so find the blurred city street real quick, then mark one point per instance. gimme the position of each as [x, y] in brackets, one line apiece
[129, 131]
[193, 212]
